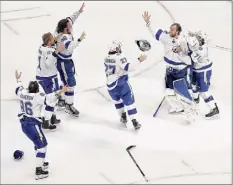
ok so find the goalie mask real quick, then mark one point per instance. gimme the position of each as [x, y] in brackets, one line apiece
[143, 45]
[200, 36]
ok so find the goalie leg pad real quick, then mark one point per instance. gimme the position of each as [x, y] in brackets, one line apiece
[182, 90]
[184, 95]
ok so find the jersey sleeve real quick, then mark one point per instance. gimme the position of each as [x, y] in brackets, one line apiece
[127, 66]
[19, 88]
[159, 35]
[73, 17]
[69, 44]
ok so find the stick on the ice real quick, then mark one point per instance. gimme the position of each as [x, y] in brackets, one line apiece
[128, 150]
[154, 115]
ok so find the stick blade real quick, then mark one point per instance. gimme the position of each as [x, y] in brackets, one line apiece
[129, 147]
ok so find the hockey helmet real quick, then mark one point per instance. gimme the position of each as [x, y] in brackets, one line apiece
[200, 36]
[115, 47]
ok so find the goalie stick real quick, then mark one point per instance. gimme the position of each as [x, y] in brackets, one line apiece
[157, 110]
[128, 150]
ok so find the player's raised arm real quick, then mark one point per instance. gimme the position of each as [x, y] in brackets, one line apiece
[160, 35]
[127, 66]
[71, 45]
[76, 14]
[19, 87]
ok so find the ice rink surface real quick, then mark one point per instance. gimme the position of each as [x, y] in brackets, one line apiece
[92, 148]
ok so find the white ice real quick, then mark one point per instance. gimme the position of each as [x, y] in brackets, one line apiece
[92, 148]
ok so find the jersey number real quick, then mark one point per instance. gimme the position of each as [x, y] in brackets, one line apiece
[123, 60]
[110, 69]
[26, 107]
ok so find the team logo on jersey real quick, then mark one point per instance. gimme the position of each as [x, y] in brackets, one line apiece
[173, 41]
[63, 39]
[200, 48]
[170, 69]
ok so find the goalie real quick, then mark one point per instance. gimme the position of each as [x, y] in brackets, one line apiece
[178, 88]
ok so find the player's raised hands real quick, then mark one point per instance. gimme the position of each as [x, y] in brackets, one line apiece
[142, 58]
[146, 17]
[82, 36]
[17, 75]
[82, 7]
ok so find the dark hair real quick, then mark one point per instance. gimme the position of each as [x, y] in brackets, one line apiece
[33, 87]
[62, 24]
[178, 27]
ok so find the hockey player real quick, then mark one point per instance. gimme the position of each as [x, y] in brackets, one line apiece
[202, 71]
[177, 68]
[47, 77]
[31, 103]
[65, 64]
[116, 69]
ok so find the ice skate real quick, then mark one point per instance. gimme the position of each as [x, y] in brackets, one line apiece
[70, 109]
[136, 125]
[123, 118]
[41, 174]
[213, 114]
[54, 120]
[45, 165]
[47, 126]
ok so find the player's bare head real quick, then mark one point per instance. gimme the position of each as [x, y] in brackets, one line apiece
[48, 39]
[33, 87]
[64, 26]
[115, 47]
[175, 30]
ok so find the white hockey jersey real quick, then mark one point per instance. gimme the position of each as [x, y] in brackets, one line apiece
[31, 104]
[116, 69]
[68, 40]
[70, 45]
[201, 61]
[175, 60]
[47, 63]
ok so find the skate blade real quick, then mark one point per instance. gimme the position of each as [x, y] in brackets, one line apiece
[38, 177]
[213, 117]
[49, 130]
[72, 114]
[137, 128]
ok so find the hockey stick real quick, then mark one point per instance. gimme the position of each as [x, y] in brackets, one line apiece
[154, 115]
[220, 47]
[128, 150]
